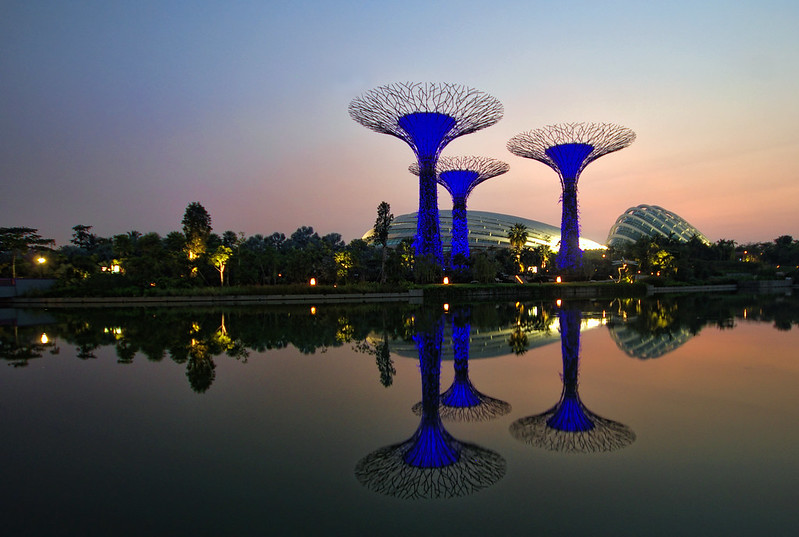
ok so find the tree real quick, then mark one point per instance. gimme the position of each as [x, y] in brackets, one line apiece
[18, 240]
[197, 229]
[380, 236]
[83, 238]
[517, 235]
[219, 259]
[484, 269]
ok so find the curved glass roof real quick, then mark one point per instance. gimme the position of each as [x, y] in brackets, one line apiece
[486, 230]
[650, 221]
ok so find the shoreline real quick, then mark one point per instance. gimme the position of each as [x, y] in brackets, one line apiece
[436, 293]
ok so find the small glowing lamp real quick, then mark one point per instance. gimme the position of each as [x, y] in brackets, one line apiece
[41, 260]
[559, 302]
[446, 307]
[313, 310]
[313, 282]
[558, 280]
[44, 339]
[446, 280]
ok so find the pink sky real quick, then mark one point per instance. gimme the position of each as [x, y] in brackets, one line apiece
[119, 115]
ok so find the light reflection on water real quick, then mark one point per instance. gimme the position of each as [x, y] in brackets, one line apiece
[675, 416]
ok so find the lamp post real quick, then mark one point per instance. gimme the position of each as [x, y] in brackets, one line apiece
[41, 260]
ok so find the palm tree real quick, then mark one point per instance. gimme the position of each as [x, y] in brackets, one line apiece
[517, 235]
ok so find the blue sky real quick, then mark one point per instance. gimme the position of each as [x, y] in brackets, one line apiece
[119, 114]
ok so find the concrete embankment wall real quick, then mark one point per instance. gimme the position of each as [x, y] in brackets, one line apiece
[532, 292]
[724, 288]
[413, 296]
[755, 286]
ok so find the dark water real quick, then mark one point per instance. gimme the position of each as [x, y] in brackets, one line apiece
[625, 417]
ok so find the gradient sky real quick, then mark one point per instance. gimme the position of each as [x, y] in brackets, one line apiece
[119, 114]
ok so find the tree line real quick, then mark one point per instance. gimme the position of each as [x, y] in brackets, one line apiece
[195, 256]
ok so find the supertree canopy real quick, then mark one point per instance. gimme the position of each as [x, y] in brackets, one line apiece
[427, 116]
[569, 426]
[568, 148]
[430, 464]
[460, 175]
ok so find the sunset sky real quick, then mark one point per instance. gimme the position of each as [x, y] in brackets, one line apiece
[119, 114]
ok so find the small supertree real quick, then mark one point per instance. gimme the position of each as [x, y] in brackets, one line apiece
[460, 175]
[427, 116]
[431, 463]
[568, 148]
[569, 426]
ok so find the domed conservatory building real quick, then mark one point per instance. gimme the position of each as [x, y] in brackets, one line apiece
[650, 221]
[486, 230]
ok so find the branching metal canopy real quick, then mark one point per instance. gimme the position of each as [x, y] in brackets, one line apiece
[427, 116]
[568, 148]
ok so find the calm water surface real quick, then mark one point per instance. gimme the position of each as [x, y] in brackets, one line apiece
[625, 417]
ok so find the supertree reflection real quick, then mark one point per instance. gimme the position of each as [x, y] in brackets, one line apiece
[569, 426]
[431, 463]
[462, 401]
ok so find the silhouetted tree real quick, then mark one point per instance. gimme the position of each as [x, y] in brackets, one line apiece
[17, 241]
[197, 229]
[83, 238]
[380, 234]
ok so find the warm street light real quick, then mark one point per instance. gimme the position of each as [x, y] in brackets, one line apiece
[41, 260]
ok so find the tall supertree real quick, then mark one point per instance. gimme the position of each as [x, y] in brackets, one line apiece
[569, 426]
[431, 463]
[462, 401]
[460, 175]
[568, 148]
[427, 116]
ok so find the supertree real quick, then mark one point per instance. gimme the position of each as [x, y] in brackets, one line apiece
[569, 426]
[462, 401]
[568, 148]
[431, 463]
[427, 116]
[460, 175]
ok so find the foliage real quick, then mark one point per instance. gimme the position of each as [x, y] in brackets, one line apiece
[19, 241]
[219, 260]
[136, 264]
[197, 229]
[517, 235]
[380, 234]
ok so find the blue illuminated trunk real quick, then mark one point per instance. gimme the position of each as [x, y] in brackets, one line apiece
[428, 231]
[462, 393]
[427, 133]
[569, 160]
[570, 257]
[570, 415]
[460, 233]
[431, 446]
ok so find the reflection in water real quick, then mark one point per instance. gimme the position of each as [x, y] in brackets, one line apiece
[196, 337]
[19, 345]
[646, 346]
[648, 329]
[462, 401]
[569, 426]
[431, 463]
